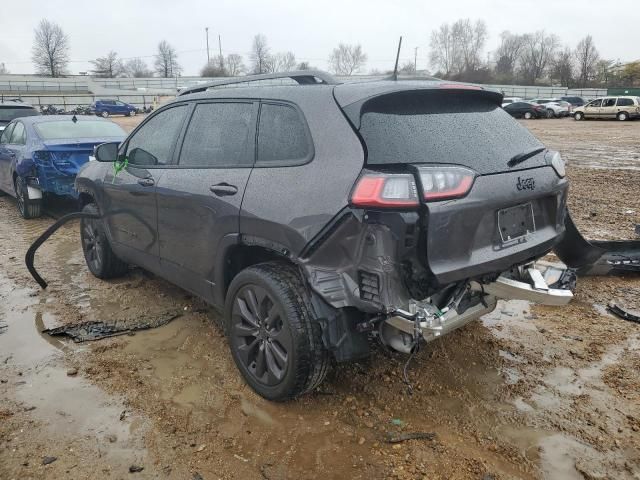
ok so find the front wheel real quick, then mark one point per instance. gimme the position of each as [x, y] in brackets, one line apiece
[578, 116]
[550, 113]
[528, 115]
[104, 114]
[275, 340]
[101, 260]
[28, 207]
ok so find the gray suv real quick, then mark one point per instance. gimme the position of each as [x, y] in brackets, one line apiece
[315, 215]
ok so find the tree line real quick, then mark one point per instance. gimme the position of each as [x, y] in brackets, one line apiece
[457, 52]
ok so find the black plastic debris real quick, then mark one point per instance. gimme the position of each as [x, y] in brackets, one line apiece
[623, 313]
[90, 331]
[403, 437]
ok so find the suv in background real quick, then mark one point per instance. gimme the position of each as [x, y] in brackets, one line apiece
[104, 108]
[622, 108]
[574, 101]
[11, 109]
[317, 215]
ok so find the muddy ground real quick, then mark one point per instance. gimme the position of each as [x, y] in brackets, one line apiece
[528, 392]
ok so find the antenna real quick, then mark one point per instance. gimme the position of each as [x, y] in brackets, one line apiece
[395, 69]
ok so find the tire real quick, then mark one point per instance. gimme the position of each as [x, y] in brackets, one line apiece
[578, 116]
[27, 207]
[273, 334]
[104, 114]
[622, 116]
[528, 115]
[101, 260]
[550, 113]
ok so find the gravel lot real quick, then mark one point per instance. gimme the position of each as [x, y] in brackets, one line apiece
[528, 392]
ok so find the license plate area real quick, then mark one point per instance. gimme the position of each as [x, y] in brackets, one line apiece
[516, 222]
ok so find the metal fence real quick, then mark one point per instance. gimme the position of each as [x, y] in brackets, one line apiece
[52, 85]
[68, 102]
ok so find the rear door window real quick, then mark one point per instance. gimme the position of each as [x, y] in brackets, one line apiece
[18, 136]
[283, 136]
[154, 142]
[463, 127]
[220, 135]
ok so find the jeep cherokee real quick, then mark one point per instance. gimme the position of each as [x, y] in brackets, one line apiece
[316, 215]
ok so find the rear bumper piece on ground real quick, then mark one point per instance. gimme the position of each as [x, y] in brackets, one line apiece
[592, 257]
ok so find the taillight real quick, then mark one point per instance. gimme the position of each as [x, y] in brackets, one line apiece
[41, 156]
[385, 190]
[444, 183]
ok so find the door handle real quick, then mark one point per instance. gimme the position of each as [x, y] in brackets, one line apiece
[223, 189]
[146, 182]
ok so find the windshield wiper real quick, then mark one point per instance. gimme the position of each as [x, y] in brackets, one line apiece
[521, 157]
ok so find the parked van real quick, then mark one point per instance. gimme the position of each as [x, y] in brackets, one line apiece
[622, 108]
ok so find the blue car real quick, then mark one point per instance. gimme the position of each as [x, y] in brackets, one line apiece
[105, 108]
[43, 154]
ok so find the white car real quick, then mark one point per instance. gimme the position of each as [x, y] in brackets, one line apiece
[555, 107]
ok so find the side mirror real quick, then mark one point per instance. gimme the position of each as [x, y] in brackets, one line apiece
[106, 152]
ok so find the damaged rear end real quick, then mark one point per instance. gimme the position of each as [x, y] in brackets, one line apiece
[454, 205]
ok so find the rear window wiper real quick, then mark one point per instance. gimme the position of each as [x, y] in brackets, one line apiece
[521, 157]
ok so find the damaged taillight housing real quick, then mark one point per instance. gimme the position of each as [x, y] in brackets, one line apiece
[386, 190]
[445, 182]
[555, 160]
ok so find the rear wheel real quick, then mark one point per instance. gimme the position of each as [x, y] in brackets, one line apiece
[28, 208]
[101, 260]
[550, 113]
[104, 114]
[275, 340]
[623, 116]
[528, 115]
[578, 116]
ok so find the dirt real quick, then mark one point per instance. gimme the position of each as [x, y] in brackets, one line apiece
[527, 392]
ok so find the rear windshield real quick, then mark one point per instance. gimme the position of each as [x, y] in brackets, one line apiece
[441, 127]
[83, 129]
[9, 113]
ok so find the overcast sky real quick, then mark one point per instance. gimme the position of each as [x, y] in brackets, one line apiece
[308, 28]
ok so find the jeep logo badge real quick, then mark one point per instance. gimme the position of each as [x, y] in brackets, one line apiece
[526, 184]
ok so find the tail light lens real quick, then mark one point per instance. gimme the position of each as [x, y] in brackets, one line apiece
[385, 190]
[555, 160]
[444, 183]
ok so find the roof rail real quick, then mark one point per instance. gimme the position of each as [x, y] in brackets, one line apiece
[302, 77]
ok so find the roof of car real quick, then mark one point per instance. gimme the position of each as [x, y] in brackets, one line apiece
[15, 104]
[34, 119]
[345, 93]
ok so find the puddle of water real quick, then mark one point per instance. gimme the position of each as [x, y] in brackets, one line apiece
[68, 407]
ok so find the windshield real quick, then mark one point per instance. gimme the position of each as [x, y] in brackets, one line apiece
[442, 127]
[9, 113]
[83, 129]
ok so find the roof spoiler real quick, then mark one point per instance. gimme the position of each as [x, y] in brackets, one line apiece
[302, 77]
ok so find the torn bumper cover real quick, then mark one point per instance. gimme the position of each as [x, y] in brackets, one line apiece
[593, 257]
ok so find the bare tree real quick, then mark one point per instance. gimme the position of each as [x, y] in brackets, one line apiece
[260, 57]
[605, 71]
[282, 62]
[304, 66]
[538, 52]
[347, 59]
[408, 68]
[563, 67]
[50, 51]
[137, 68]
[166, 62]
[109, 66]
[3, 69]
[472, 38]
[587, 57]
[508, 55]
[444, 54]
[215, 68]
[234, 64]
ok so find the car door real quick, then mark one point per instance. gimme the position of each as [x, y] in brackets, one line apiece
[120, 108]
[14, 151]
[592, 109]
[608, 108]
[199, 200]
[129, 194]
[6, 156]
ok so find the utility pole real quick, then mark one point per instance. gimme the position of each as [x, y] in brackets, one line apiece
[415, 61]
[220, 52]
[206, 29]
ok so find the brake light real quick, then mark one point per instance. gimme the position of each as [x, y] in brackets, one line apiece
[385, 190]
[444, 183]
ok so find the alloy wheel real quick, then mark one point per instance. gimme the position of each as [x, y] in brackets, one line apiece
[92, 243]
[259, 335]
[20, 197]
